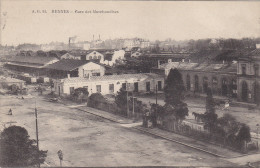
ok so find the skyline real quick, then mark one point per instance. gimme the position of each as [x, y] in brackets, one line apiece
[153, 20]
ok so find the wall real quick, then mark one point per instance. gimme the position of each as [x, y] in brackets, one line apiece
[89, 69]
[94, 54]
[105, 85]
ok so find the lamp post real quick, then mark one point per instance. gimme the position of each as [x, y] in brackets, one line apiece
[257, 129]
[37, 139]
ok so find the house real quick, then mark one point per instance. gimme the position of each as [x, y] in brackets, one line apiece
[70, 56]
[94, 55]
[74, 68]
[111, 84]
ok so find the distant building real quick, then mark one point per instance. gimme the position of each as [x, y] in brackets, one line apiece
[111, 84]
[248, 77]
[74, 68]
[94, 55]
[70, 56]
[28, 64]
[221, 78]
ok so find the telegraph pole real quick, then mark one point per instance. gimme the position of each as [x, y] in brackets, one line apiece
[37, 139]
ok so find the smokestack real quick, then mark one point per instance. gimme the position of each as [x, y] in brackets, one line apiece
[93, 37]
[99, 36]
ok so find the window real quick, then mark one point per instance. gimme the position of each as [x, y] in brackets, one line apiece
[159, 85]
[214, 81]
[124, 86]
[99, 57]
[95, 74]
[95, 57]
[148, 86]
[196, 83]
[71, 90]
[243, 69]
[136, 87]
[188, 82]
[98, 88]
[111, 88]
[90, 57]
[256, 69]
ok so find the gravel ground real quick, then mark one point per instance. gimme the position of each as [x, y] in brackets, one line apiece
[87, 140]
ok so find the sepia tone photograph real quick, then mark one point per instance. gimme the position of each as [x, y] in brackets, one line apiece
[129, 83]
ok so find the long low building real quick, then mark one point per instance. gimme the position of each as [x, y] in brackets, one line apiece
[197, 77]
[111, 84]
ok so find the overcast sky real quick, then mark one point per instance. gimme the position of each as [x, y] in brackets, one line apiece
[147, 19]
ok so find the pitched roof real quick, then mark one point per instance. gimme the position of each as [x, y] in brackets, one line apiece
[31, 60]
[203, 67]
[67, 64]
[125, 77]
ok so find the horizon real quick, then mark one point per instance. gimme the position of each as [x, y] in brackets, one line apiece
[152, 20]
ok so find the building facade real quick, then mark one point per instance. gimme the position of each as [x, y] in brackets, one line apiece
[249, 78]
[221, 78]
[111, 84]
[94, 55]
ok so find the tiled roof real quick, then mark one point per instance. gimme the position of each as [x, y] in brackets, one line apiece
[127, 77]
[203, 67]
[67, 64]
[31, 60]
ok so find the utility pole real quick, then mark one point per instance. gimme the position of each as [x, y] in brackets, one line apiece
[37, 139]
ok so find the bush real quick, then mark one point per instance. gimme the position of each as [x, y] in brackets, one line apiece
[95, 100]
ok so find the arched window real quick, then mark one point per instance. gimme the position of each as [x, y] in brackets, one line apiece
[90, 57]
[244, 94]
[224, 87]
[234, 88]
[95, 57]
[256, 93]
[205, 84]
[196, 83]
[188, 82]
[99, 57]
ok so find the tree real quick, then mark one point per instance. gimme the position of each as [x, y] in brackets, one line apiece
[16, 149]
[243, 135]
[210, 117]
[174, 88]
[174, 96]
[121, 100]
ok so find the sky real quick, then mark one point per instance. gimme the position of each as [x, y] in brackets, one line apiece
[153, 20]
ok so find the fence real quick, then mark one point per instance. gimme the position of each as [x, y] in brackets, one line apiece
[204, 135]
